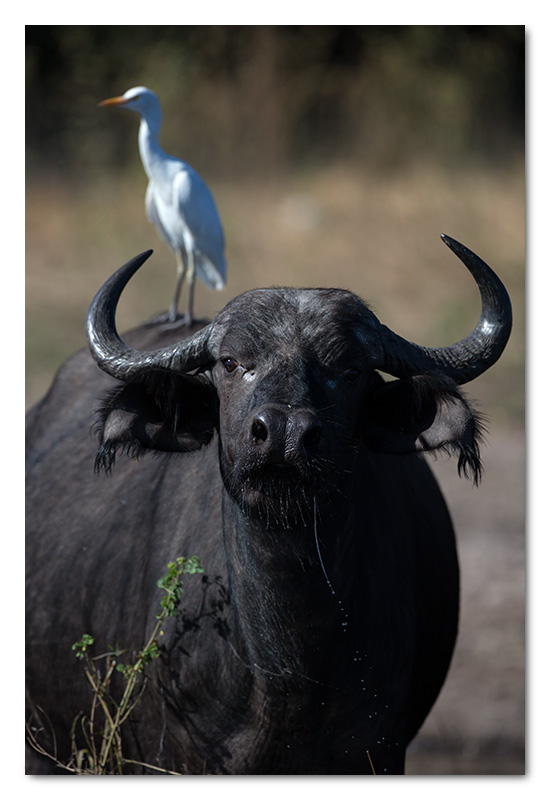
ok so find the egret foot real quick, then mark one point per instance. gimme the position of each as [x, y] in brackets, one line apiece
[165, 318]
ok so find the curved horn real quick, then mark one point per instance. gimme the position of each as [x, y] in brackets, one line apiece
[471, 356]
[117, 358]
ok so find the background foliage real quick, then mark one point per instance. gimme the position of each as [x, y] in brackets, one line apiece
[258, 99]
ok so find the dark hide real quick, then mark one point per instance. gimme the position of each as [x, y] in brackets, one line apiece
[325, 621]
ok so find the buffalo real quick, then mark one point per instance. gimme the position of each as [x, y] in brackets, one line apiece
[321, 631]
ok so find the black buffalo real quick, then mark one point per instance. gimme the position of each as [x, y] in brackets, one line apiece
[321, 632]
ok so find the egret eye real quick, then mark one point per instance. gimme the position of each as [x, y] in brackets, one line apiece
[351, 374]
[229, 364]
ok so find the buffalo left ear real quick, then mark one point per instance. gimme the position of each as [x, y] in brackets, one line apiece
[424, 413]
[162, 412]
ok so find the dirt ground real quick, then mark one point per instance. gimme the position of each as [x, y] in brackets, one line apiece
[477, 725]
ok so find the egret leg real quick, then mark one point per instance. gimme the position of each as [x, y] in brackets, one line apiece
[173, 313]
[191, 288]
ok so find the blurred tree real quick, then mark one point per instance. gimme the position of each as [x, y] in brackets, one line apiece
[258, 99]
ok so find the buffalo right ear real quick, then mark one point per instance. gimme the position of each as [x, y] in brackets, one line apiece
[162, 412]
[421, 414]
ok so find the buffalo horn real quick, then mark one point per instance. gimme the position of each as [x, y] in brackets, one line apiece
[471, 356]
[117, 358]
[462, 361]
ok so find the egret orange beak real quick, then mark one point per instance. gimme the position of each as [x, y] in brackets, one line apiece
[113, 101]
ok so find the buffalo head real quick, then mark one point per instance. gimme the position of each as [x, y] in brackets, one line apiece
[290, 380]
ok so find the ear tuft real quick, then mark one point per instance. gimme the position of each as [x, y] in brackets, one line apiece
[108, 451]
[467, 450]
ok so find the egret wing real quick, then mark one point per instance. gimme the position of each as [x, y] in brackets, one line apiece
[200, 215]
[155, 219]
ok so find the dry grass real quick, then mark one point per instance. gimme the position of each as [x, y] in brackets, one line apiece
[378, 237]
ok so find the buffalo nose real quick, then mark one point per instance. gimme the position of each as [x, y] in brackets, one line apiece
[286, 434]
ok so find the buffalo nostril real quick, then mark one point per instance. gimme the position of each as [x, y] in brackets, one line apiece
[259, 431]
[312, 438]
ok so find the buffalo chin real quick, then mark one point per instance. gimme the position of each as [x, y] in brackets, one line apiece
[280, 495]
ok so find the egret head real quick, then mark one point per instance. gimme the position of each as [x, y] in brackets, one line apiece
[139, 99]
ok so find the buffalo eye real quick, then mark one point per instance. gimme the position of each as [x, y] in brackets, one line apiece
[351, 374]
[229, 364]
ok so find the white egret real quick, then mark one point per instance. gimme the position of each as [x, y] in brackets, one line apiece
[178, 203]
